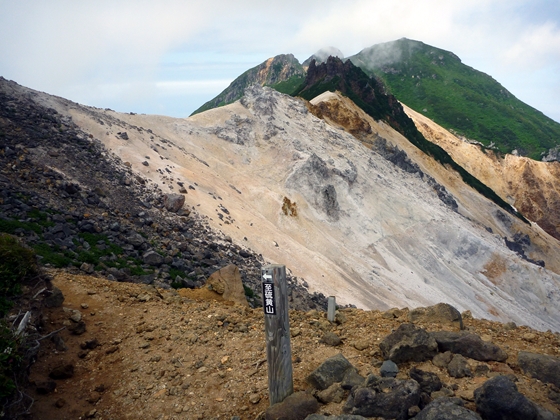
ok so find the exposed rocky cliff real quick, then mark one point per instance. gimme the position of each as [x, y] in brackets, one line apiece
[532, 187]
[275, 70]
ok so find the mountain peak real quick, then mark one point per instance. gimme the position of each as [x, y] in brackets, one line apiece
[322, 55]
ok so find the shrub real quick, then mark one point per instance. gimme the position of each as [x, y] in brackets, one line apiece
[17, 263]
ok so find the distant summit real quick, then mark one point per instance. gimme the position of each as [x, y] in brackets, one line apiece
[322, 55]
[469, 103]
[271, 72]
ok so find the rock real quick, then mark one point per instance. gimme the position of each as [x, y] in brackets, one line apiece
[446, 409]
[295, 407]
[351, 379]
[408, 343]
[227, 282]
[152, 258]
[441, 313]
[498, 398]
[89, 344]
[87, 268]
[388, 369]
[254, 398]
[428, 381]
[45, 387]
[331, 339]
[76, 316]
[442, 359]
[173, 202]
[136, 240]
[62, 372]
[78, 328]
[331, 370]
[361, 345]
[542, 367]
[334, 393]
[468, 345]
[458, 367]
[59, 343]
[389, 398]
[54, 298]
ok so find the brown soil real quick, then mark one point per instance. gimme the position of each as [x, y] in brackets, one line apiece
[188, 355]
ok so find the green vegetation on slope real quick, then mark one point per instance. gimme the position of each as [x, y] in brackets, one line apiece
[459, 98]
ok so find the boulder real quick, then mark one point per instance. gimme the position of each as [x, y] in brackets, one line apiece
[446, 409]
[54, 298]
[331, 370]
[499, 399]
[334, 393]
[294, 407]
[227, 282]
[540, 366]
[64, 371]
[152, 258]
[173, 202]
[409, 343]
[388, 369]
[351, 379]
[458, 367]
[428, 381]
[389, 398]
[442, 313]
[331, 339]
[468, 345]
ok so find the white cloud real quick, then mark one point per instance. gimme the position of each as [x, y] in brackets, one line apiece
[122, 48]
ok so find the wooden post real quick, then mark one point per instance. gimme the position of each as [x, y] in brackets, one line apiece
[331, 308]
[277, 333]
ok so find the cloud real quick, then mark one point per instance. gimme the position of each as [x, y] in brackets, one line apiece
[535, 47]
[126, 49]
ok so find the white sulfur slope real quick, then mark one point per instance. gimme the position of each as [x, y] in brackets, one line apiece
[365, 231]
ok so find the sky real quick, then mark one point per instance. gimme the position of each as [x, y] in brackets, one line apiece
[168, 57]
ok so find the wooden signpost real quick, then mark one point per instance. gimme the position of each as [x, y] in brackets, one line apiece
[277, 332]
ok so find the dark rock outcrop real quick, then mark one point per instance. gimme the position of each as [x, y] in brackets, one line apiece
[388, 398]
[331, 370]
[468, 345]
[447, 409]
[295, 407]
[408, 343]
[540, 366]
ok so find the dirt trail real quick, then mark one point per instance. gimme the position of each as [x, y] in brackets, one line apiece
[168, 355]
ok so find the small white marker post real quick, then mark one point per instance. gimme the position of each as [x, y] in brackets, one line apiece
[277, 333]
[331, 309]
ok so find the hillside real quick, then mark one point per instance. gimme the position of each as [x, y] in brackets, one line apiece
[468, 102]
[150, 353]
[530, 186]
[133, 206]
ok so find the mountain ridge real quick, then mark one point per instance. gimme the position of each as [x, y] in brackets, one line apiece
[464, 100]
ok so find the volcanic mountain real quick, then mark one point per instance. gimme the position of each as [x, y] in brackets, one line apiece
[367, 217]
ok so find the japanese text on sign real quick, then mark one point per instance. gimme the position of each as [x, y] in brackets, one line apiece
[269, 303]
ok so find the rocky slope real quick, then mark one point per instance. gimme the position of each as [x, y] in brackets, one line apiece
[272, 72]
[79, 205]
[152, 353]
[366, 230]
[531, 186]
